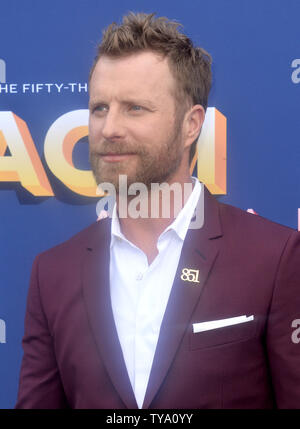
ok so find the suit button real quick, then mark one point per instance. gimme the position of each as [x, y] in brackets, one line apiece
[139, 276]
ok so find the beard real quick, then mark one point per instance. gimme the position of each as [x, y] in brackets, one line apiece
[151, 164]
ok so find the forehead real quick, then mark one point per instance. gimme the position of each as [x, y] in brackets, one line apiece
[144, 73]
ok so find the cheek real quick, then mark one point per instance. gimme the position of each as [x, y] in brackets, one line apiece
[155, 131]
[95, 130]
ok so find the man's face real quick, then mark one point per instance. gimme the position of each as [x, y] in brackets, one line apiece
[133, 128]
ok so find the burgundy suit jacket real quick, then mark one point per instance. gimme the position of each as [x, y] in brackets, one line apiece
[247, 266]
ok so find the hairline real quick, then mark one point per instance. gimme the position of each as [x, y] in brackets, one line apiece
[182, 100]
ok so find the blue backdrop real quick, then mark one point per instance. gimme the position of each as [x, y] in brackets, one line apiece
[255, 48]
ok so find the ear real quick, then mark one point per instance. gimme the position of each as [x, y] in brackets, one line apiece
[193, 123]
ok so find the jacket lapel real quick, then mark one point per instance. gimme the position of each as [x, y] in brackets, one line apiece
[199, 252]
[96, 292]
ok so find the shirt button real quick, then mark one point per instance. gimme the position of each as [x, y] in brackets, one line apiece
[139, 276]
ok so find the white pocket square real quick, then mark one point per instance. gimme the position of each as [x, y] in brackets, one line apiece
[214, 324]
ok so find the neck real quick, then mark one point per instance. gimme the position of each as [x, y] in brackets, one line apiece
[148, 214]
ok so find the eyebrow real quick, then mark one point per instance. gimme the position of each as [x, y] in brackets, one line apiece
[97, 101]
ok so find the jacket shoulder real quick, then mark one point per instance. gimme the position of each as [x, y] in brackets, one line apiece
[252, 225]
[77, 243]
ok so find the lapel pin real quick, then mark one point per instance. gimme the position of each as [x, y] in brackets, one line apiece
[189, 275]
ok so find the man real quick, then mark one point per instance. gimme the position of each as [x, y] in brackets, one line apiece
[149, 312]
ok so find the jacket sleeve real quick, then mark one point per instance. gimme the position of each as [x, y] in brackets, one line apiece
[282, 346]
[40, 386]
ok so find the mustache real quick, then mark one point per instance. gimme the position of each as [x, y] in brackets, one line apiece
[115, 148]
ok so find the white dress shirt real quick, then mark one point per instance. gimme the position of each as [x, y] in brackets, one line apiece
[140, 292]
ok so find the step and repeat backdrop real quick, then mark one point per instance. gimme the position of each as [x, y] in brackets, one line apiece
[248, 153]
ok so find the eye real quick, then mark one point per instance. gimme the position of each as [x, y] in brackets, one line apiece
[101, 108]
[136, 108]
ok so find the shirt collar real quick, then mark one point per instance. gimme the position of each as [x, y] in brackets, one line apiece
[179, 225]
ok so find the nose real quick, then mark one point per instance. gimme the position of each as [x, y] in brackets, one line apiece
[113, 127]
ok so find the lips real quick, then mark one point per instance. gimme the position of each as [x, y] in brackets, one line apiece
[115, 153]
[115, 157]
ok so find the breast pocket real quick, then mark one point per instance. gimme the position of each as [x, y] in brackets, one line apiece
[224, 335]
